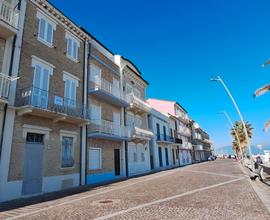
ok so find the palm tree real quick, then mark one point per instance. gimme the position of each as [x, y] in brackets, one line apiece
[239, 129]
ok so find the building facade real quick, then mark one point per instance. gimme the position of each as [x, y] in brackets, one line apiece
[201, 143]
[182, 133]
[162, 153]
[42, 142]
[136, 116]
[106, 132]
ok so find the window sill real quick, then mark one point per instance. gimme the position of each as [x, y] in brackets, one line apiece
[45, 42]
[71, 58]
[67, 168]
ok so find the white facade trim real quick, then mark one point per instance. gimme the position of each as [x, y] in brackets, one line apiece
[69, 76]
[36, 129]
[72, 134]
[38, 61]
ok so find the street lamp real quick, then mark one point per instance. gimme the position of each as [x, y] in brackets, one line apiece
[236, 133]
[218, 79]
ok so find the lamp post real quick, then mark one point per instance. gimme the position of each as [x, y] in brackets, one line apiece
[218, 79]
[236, 133]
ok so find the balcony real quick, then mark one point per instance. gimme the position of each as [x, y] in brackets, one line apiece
[164, 139]
[198, 147]
[4, 87]
[182, 117]
[178, 140]
[186, 145]
[8, 19]
[38, 102]
[140, 134]
[137, 105]
[105, 90]
[107, 130]
[184, 131]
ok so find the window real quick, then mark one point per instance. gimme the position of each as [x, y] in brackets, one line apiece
[164, 133]
[135, 156]
[73, 45]
[95, 161]
[137, 93]
[158, 131]
[71, 84]
[67, 152]
[34, 138]
[40, 90]
[95, 74]
[138, 121]
[46, 28]
[95, 114]
[130, 119]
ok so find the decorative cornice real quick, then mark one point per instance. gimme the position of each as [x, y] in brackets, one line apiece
[61, 18]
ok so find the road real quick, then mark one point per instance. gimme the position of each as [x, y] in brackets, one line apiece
[210, 190]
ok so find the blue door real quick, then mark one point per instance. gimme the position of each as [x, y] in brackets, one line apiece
[160, 157]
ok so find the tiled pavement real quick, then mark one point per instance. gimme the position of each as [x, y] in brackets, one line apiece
[211, 190]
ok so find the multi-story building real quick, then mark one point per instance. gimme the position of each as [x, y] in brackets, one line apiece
[137, 146]
[182, 132]
[9, 14]
[106, 132]
[201, 143]
[162, 153]
[43, 138]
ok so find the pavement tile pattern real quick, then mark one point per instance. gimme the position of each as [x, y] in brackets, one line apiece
[211, 190]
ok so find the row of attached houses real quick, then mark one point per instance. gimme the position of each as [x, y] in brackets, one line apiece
[73, 113]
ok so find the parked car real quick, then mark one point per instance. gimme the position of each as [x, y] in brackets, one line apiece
[212, 157]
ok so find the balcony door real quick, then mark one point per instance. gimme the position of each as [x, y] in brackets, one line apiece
[116, 123]
[95, 75]
[116, 88]
[40, 88]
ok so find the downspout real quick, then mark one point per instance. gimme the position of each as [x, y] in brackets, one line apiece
[87, 104]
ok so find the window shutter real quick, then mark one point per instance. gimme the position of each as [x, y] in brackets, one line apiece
[37, 77]
[94, 159]
[69, 46]
[75, 50]
[67, 91]
[42, 26]
[49, 33]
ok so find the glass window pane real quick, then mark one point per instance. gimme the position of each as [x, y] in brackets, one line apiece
[49, 33]
[42, 26]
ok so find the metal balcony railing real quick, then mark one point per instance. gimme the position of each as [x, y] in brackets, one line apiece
[163, 137]
[132, 99]
[42, 99]
[106, 86]
[107, 127]
[185, 131]
[4, 86]
[7, 13]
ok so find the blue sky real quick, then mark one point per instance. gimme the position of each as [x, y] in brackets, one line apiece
[179, 44]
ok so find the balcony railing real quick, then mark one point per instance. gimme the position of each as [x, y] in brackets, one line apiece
[185, 131]
[187, 145]
[198, 147]
[41, 99]
[164, 138]
[140, 133]
[7, 13]
[137, 102]
[107, 127]
[4, 86]
[103, 84]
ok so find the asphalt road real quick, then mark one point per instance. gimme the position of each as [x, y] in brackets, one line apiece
[210, 190]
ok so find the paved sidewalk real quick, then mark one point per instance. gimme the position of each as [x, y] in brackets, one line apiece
[211, 190]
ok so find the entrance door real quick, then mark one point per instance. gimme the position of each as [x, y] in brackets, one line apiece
[33, 164]
[117, 162]
[116, 123]
[167, 156]
[160, 156]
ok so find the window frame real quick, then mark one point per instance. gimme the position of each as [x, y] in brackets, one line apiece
[47, 20]
[71, 134]
[73, 39]
[69, 77]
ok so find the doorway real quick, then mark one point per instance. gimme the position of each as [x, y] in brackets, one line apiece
[33, 164]
[117, 164]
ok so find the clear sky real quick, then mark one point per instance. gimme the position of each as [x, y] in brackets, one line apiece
[179, 44]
